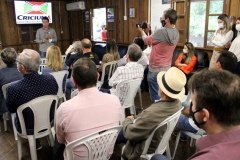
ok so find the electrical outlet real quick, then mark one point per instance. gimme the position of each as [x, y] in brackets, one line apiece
[125, 18]
[61, 32]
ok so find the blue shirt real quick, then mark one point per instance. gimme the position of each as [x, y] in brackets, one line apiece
[7, 75]
[30, 87]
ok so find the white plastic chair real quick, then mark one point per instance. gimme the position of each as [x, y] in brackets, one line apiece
[98, 144]
[199, 134]
[112, 68]
[74, 93]
[6, 114]
[43, 61]
[63, 58]
[132, 86]
[59, 76]
[41, 66]
[164, 143]
[41, 110]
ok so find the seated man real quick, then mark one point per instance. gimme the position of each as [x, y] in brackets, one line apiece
[171, 87]
[224, 60]
[8, 74]
[86, 47]
[131, 70]
[30, 87]
[86, 113]
[77, 47]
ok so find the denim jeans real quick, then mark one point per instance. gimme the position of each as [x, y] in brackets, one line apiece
[42, 54]
[183, 122]
[121, 138]
[69, 86]
[159, 157]
[153, 86]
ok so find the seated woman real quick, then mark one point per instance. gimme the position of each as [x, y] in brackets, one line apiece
[186, 60]
[111, 54]
[55, 62]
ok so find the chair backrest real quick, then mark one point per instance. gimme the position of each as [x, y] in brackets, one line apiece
[74, 93]
[171, 123]
[43, 61]
[41, 110]
[109, 67]
[4, 88]
[131, 86]
[41, 66]
[60, 76]
[98, 144]
[63, 58]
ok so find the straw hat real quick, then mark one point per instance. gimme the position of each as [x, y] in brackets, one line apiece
[172, 82]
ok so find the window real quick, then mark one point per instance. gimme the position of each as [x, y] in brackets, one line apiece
[203, 21]
[28, 32]
[103, 24]
[197, 20]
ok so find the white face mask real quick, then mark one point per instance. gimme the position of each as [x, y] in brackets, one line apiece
[220, 25]
[185, 51]
[238, 27]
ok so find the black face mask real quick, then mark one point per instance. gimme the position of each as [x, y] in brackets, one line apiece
[192, 115]
[163, 22]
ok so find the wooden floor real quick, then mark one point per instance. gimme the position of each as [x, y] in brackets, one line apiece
[8, 145]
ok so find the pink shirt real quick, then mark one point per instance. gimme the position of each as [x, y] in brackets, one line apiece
[161, 55]
[224, 145]
[86, 113]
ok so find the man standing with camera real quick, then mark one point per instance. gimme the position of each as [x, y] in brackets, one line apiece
[163, 43]
[45, 36]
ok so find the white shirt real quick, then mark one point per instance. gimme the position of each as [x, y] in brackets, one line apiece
[221, 39]
[129, 71]
[235, 47]
[69, 49]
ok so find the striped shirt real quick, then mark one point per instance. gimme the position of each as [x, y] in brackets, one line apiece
[129, 71]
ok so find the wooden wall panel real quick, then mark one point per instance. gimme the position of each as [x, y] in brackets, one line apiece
[125, 30]
[10, 32]
[234, 8]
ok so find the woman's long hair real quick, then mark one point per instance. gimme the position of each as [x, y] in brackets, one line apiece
[54, 58]
[227, 24]
[111, 47]
[187, 58]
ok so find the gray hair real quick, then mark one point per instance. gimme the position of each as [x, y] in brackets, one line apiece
[30, 59]
[77, 45]
[9, 56]
[134, 52]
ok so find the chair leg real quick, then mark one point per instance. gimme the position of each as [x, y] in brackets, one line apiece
[176, 144]
[5, 120]
[51, 140]
[140, 97]
[19, 147]
[32, 146]
[168, 151]
[192, 142]
[14, 127]
[64, 98]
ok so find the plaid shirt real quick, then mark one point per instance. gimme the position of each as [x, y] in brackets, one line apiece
[129, 71]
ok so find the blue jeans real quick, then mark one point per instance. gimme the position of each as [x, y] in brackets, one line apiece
[121, 138]
[153, 86]
[69, 86]
[42, 54]
[183, 122]
[159, 157]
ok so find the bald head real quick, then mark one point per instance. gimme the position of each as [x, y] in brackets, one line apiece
[86, 45]
[30, 59]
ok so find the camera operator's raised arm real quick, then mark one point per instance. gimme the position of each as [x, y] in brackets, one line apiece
[143, 34]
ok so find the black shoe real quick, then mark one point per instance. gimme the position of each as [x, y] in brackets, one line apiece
[183, 139]
[38, 145]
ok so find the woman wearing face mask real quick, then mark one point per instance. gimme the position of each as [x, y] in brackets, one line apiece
[235, 46]
[222, 36]
[186, 60]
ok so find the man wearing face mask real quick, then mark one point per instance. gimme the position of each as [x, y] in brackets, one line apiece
[163, 43]
[222, 35]
[218, 114]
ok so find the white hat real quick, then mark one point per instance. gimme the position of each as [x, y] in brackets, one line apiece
[172, 82]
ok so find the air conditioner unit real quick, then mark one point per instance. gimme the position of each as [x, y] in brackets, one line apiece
[75, 6]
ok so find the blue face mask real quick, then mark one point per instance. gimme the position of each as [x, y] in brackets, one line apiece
[192, 115]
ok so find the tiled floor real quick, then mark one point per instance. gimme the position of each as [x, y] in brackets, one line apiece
[9, 151]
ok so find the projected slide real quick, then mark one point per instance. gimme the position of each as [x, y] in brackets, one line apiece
[28, 12]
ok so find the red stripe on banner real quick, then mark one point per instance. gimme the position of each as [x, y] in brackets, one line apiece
[35, 12]
[36, 3]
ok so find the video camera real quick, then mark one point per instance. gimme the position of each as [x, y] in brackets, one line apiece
[142, 25]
